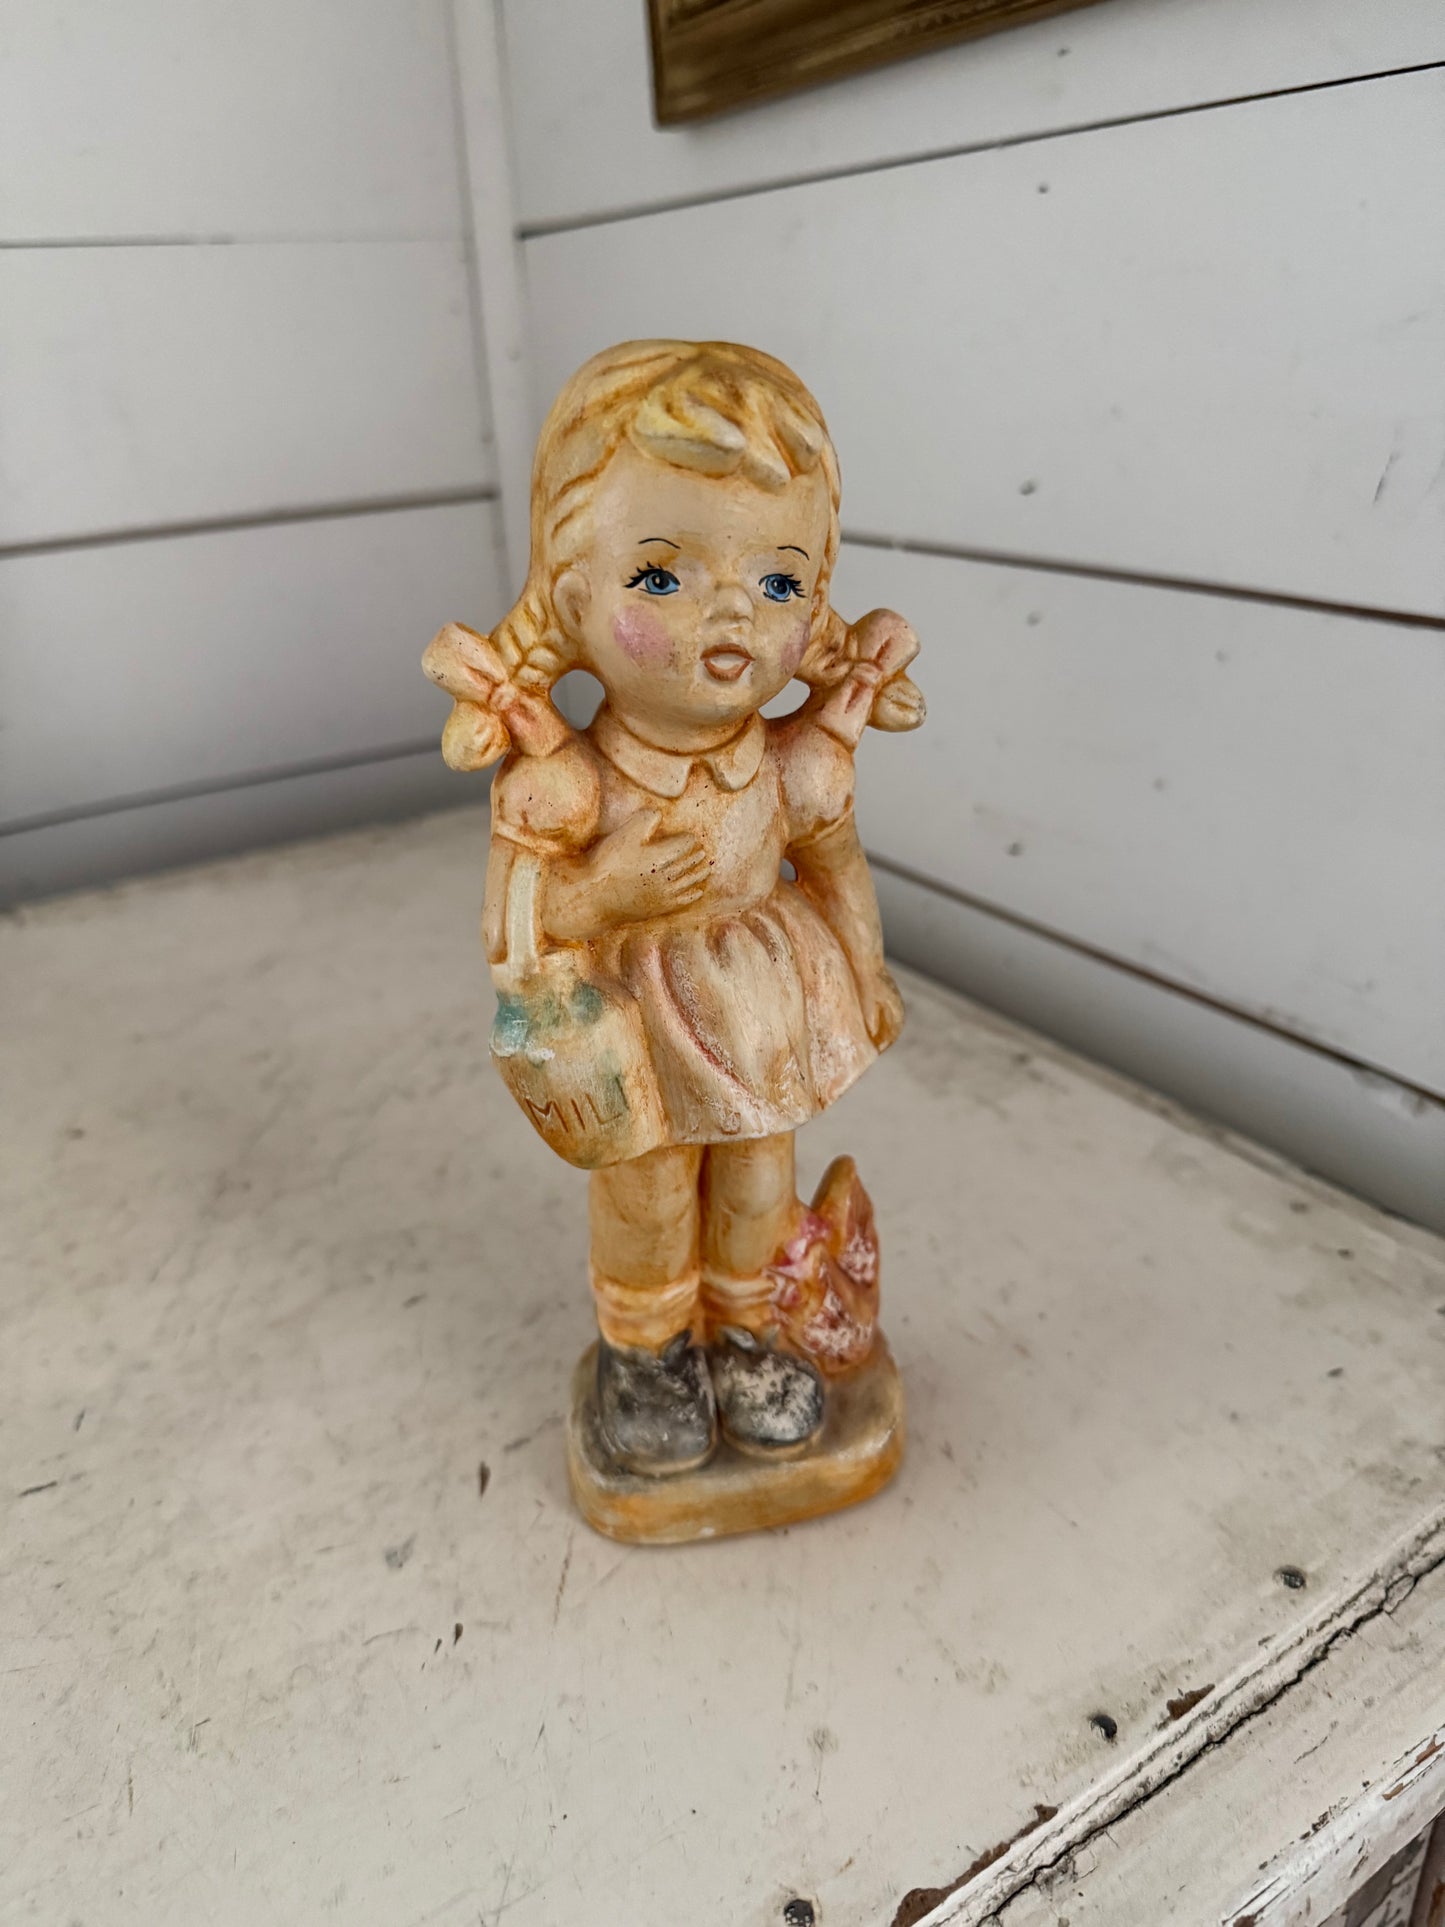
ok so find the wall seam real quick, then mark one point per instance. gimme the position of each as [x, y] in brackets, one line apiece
[541, 230]
[261, 519]
[1143, 579]
[1421, 1094]
[220, 785]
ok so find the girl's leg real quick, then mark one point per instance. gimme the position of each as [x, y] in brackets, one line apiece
[645, 1218]
[655, 1403]
[770, 1402]
[749, 1205]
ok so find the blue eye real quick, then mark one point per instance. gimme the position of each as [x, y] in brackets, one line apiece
[655, 581]
[780, 586]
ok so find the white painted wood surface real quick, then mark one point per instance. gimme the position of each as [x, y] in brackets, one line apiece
[586, 145]
[1192, 784]
[316, 119]
[485, 132]
[286, 1269]
[1320, 1795]
[190, 825]
[1370, 1133]
[141, 387]
[142, 666]
[1388, 1898]
[1210, 348]
[154, 377]
[1431, 1912]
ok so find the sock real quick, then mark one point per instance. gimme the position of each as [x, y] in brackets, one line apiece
[644, 1317]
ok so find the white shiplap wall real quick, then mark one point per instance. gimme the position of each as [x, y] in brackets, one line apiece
[248, 449]
[1130, 326]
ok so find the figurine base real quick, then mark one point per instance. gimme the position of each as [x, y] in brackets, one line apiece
[858, 1453]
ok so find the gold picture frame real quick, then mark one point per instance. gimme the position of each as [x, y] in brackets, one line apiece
[712, 55]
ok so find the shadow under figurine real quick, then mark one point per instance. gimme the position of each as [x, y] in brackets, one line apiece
[670, 1007]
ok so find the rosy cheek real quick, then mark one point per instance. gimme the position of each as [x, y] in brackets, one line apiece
[642, 636]
[796, 649]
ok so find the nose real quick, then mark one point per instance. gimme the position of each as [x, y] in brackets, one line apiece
[731, 602]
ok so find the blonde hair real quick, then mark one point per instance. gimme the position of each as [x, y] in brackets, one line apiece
[710, 406]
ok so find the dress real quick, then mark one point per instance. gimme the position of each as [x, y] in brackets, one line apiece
[747, 1001]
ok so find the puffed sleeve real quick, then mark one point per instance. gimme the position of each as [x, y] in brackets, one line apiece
[548, 804]
[817, 778]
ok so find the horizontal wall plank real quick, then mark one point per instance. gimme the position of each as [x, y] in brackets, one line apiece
[1244, 800]
[145, 666]
[1213, 349]
[163, 118]
[1187, 786]
[1365, 1133]
[146, 386]
[93, 850]
[587, 147]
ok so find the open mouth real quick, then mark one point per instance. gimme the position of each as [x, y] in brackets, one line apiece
[726, 662]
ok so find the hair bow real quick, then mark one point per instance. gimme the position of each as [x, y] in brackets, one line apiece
[491, 712]
[874, 688]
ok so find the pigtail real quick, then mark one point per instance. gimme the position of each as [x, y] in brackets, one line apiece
[473, 737]
[500, 685]
[826, 660]
[878, 657]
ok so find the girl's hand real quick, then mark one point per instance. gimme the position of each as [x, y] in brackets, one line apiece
[882, 1004]
[627, 877]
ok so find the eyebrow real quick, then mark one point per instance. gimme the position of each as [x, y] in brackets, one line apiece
[659, 538]
[794, 547]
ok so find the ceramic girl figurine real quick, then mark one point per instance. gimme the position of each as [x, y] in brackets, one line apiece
[670, 1006]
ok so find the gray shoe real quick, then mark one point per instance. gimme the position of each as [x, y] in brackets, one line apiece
[770, 1403]
[656, 1409]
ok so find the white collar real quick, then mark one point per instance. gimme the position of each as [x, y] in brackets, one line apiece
[664, 772]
